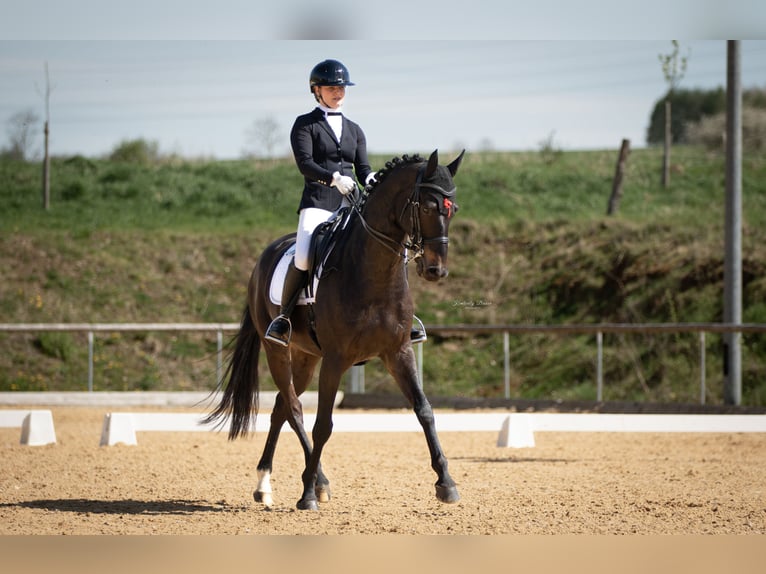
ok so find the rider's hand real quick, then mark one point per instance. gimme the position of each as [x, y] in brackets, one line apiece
[343, 183]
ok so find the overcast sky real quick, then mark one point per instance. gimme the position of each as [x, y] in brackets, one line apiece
[196, 93]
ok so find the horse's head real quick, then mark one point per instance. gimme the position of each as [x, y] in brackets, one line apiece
[436, 205]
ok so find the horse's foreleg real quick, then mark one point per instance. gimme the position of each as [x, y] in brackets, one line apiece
[321, 484]
[313, 488]
[303, 366]
[446, 490]
[404, 371]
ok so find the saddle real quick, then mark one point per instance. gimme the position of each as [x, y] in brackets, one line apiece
[323, 241]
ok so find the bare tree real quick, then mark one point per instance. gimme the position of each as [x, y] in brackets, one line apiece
[46, 159]
[21, 128]
[486, 144]
[673, 69]
[264, 134]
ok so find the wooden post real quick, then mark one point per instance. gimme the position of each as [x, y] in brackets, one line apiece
[619, 173]
[46, 172]
[47, 159]
[668, 139]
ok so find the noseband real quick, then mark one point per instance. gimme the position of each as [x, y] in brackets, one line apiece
[417, 242]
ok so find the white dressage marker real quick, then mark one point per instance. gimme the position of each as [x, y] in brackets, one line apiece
[122, 427]
[36, 425]
[516, 432]
[518, 429]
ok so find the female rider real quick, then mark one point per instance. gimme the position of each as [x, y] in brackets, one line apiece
[329, 149]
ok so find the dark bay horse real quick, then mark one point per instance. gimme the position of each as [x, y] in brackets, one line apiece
[363, 309]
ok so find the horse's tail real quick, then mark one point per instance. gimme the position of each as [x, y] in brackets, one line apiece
[240, 397]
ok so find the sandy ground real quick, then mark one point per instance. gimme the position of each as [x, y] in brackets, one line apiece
[200, 483]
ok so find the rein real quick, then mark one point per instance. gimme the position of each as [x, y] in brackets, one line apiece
[417, 241]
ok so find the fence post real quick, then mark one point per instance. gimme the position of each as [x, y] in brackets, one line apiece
[355, 382]
[90, 361]
[619, 174]
[600, 366]
[219, 360]
[506, 365]
[702, 367]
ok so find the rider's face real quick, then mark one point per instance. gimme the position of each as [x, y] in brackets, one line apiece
[332, 96]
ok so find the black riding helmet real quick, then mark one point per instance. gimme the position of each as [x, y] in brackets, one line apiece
[329, 73]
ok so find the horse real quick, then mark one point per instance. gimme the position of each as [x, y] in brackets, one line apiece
[362, 310]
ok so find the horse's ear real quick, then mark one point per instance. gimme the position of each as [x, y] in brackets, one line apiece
[433, 163]
[456, 164]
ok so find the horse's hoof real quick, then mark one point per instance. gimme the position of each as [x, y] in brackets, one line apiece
[322, 492]
[264, 498]
[307, 505]
[447, 494]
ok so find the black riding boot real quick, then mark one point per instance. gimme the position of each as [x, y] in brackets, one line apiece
[280, 329]
[418, 331]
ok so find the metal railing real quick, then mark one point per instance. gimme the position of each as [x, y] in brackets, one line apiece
[598, 330]
[92, 328]
[357, 380]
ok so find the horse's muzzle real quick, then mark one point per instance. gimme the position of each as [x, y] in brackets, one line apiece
[432, 272]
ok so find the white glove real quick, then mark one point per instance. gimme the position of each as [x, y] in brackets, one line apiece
[343, 183]
[371, 178]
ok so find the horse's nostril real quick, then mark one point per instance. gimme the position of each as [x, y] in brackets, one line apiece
[436, 272]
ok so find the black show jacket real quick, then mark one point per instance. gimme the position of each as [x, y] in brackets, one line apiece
[319, 154]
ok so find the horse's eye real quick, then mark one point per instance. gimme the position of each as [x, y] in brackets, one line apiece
[429, 206]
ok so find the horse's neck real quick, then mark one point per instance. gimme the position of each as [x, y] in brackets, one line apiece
[379, 259]
[376, 260]
[376, 245]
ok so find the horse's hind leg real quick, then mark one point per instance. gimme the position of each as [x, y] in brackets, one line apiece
[403, 368]
[287, 407]
[263, 490]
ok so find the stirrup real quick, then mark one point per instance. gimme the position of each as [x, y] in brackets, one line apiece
[418, 334]
[280, 331]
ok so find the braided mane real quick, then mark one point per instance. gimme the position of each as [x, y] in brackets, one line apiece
[390, 166]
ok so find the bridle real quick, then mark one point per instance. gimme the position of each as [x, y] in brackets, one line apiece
[416, 244]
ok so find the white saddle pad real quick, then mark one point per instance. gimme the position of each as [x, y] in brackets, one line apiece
[278, 280]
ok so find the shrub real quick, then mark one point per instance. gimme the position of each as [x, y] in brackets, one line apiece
[711, 131]
[81, 164]
[692, 107]
[74, 190]
[138, 151]
[55, 344]
[687, 106]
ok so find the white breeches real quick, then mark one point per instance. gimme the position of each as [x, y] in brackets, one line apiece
[308, 220]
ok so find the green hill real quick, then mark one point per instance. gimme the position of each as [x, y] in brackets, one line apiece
[175, 241]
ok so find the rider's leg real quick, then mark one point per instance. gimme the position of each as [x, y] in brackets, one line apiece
[280, 329]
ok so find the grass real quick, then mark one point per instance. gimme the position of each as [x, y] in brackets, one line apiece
[175, 241]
